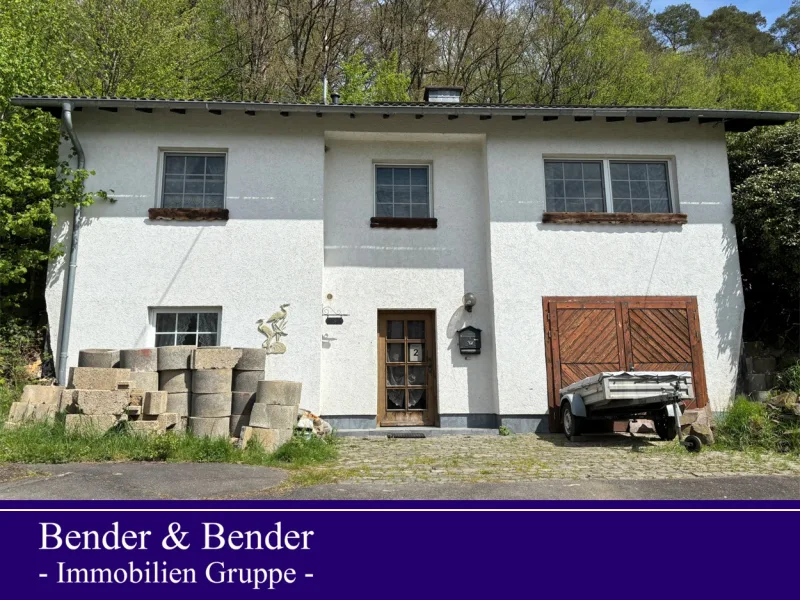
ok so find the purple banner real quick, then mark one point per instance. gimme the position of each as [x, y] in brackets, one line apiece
[395, 550]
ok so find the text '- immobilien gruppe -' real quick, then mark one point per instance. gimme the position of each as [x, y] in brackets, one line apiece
[214, 537]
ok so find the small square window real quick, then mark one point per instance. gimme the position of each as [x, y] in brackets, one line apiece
[186, 328]
[193, 181]
[402, 191]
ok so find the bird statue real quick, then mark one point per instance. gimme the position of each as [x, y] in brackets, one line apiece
[274, 328]
[278, 316]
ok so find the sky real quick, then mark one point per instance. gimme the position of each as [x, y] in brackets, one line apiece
[771, 9]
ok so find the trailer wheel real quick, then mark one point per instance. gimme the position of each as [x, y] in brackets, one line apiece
[693, 443]
[666, 429]
[571, 423]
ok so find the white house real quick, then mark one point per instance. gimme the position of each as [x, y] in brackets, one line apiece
[589, 238]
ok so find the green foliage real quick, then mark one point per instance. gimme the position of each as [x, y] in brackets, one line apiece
[50, 443]
[302, 450]
[363, 83]
[749, 425]
[789, 378]
[765, 175]
[505, 431]
[21, 345]
[786, 28]
[677, 25]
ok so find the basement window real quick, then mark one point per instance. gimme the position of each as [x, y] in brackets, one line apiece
[186, 327]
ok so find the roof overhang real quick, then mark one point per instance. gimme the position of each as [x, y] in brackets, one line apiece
[732, 120]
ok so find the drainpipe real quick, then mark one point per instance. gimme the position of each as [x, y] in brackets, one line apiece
[72, 253]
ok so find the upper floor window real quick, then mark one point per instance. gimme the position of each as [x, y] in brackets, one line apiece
[574, 186]
[193, 181]
[402, 191]
[640, 187]
[186, 327]
[619, 186]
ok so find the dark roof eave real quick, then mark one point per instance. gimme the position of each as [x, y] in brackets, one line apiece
[734, 120]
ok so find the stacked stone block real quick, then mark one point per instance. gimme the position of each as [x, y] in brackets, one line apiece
[105, 358]
[175, 378]
[99, 398]
[212, 379]
[274, 414]
[38, 403]
[143, 363]
[246, 375]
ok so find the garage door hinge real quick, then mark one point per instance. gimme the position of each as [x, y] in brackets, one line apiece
[549, 335]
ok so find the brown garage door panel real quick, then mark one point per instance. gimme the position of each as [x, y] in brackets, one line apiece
[589, 335]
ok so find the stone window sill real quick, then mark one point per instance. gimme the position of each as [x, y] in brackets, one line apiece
[403, 223]
[574, 218]
[188, 214]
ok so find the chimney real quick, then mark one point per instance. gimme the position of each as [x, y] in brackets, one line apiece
[443, 94]
[335, 98]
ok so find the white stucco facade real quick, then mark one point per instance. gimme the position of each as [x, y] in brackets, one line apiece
[300, 192]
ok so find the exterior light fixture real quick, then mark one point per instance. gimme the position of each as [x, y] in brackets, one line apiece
[469, 301]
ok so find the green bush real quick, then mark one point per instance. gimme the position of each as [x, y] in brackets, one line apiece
[754, 425]
[789, 378]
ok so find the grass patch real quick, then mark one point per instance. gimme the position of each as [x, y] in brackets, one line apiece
[749, 425]
[51, 443]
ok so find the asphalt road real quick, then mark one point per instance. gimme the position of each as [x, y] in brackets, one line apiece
[141, 481]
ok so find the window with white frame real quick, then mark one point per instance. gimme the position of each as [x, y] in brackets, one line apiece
[608, 185]
[193, 180]
[402, 191]
[186, 327]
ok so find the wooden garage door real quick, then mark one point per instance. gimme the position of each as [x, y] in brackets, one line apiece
[587, 335]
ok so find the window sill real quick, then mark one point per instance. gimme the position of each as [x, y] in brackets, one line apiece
[573, 218]
[403, 223]
[187, 214]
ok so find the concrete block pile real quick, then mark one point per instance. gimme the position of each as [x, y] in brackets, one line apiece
[273, 415]
[38, 403]
[247, 372]
[212, 380]
[211, 391]
[175, 378]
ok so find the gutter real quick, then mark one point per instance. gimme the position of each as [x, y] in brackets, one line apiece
[72, 255]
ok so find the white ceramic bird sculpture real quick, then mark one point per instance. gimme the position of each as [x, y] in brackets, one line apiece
[274, 328]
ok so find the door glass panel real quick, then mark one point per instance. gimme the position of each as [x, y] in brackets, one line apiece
[416, 330]
[395, 376]
[416, 352]
[417, 400]
[395, 399]
[416, 375]
[395, 353]
[394, 330]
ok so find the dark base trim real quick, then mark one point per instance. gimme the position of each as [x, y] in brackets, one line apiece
[531, 423]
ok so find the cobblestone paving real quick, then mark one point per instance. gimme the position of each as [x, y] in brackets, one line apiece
[529, 457]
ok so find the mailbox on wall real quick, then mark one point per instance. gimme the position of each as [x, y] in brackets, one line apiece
[469, 340]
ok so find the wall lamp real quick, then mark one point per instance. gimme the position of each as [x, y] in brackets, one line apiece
[469, 301]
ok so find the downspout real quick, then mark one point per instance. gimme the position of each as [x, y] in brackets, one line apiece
[72, 253]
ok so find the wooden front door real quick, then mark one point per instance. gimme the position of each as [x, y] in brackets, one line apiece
[406, 368]
[587, 335]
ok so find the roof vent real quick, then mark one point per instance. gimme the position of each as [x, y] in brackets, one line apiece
[443, 95]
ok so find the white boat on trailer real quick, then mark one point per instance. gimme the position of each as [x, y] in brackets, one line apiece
[622, 395]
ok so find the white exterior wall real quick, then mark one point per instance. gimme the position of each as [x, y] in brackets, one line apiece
[530, 260]
[431, 269]
[284, 244]
[268, 253]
